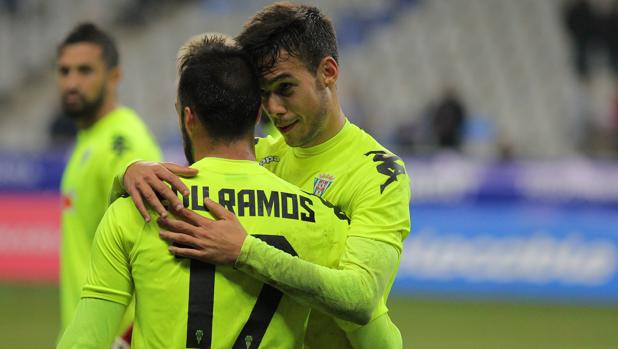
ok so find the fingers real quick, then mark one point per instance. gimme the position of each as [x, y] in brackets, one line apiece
[151, 198]
[137, 200]
[218, 211]
[192, 217]
[165, 191]
[178, 226]
[185, 252]
[164, 174]
[178, 238]
[179, 170]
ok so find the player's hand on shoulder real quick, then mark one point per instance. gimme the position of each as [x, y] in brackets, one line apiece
[144, 180]
[210, 241]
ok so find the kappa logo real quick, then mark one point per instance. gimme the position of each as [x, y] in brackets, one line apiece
[119, 145]
[268, 159]
[387, 167]
[322, 183]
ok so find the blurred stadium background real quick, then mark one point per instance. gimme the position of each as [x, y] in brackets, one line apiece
[506, 112]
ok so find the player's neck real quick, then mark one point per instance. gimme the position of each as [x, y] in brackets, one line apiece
[334, 123]
[236, 150]
[108, 106]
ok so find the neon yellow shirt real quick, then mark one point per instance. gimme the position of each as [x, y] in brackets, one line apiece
[367, 182]
[100, 152]
[184, 303]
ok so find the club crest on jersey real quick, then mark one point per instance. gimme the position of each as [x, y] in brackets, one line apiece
[322, 183]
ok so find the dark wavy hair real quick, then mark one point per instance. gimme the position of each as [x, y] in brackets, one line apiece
[89, 33]
[303, 31]
[219, 83]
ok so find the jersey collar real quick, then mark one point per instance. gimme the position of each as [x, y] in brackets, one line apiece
[107, 119]
[221, 165]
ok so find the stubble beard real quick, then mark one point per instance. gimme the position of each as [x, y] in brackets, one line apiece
[88, 110]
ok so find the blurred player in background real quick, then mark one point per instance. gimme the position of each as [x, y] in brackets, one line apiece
[109, 137]
[295, 49]
[186, 303]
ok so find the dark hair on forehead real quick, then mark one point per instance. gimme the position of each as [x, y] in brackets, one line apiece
[219, 84]
[303, 31]
[89, 33]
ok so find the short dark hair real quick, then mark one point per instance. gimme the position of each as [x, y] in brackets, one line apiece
[89, 33]
[219, 84]
[303, 31]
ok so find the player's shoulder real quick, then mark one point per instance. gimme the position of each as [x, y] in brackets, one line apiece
[367, 152]
[374, 167]
[125, 132]
[269, 149]
[123, 212]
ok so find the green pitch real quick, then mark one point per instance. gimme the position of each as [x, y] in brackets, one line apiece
[29, 319]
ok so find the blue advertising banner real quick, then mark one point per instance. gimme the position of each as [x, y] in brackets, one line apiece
[31, 172]
[506, 250]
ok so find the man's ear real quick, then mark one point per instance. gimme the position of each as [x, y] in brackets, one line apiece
[115, 75]
[190, 119]
[328, 71]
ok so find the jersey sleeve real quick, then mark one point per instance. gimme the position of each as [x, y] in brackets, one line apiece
[94, 325]
[381, 207]
[121, 152]
[109, 276]
[117, 190]
[350, 293]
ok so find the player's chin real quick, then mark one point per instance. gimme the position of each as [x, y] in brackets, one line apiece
[292, 141]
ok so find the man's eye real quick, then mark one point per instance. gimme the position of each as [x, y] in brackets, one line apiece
[85, 69]
[284, 88]
[63, 71]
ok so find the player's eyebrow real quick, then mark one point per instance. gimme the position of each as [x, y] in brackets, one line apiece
[278, 77]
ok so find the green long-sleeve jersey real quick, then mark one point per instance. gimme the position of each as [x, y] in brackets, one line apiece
[183, 303]
[370, 184]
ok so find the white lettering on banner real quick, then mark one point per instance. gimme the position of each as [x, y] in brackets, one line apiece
[538, 259]
[444, 180]
[18, 172]
[576, 180]
[28, 239]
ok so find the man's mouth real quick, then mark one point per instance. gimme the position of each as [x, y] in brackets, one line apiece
[72, 98]
[287, 127]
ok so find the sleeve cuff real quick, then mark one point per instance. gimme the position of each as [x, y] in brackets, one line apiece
[245, 251]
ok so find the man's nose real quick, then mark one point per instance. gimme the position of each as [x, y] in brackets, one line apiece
[274, 106]
[70, 81]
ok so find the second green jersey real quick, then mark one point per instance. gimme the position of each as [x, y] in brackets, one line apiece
[184, 303]
[362, 178]
[100, 152]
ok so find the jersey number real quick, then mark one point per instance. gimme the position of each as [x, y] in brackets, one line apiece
[202, 295]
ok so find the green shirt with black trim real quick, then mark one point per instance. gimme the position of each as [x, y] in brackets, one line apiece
[99, 153]
[185, 303]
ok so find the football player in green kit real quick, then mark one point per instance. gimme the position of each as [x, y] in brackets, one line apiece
[183, 303]
[109, 137]
[294, 47]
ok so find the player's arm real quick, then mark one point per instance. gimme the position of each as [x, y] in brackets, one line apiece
[145, 181]
[94, 325]
[350, 292]
[108, 287]
[380, 212]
